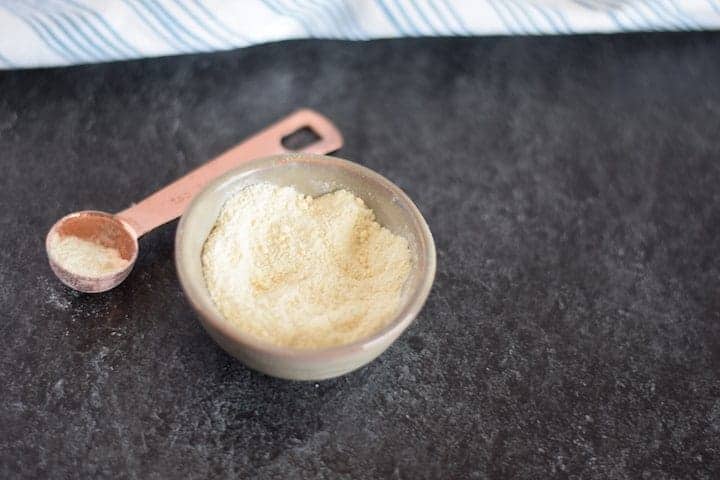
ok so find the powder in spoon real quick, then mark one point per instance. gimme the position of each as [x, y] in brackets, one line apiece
[85, 258]
[304, 272]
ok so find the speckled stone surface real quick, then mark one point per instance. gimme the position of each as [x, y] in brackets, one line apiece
[574, 327]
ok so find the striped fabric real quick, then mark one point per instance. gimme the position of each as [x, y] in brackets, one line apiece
[61, 32]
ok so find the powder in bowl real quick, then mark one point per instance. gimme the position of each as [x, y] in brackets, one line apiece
[304, 272]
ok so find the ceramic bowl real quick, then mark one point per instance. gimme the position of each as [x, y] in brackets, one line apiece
[313, 175]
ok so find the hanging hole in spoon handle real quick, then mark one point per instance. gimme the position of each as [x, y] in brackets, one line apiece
[170, 202]
[326, 138]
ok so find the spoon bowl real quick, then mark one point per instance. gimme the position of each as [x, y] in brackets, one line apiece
[102, 229]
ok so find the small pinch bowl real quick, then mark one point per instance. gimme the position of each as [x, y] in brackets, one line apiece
[314, 175]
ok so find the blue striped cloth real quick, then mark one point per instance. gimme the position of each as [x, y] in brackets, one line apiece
[62, 32]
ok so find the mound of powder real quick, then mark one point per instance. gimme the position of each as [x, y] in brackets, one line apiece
[85, 258]
[304, 272]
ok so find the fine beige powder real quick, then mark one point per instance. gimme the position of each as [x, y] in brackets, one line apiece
[85, 258]
[304, 272]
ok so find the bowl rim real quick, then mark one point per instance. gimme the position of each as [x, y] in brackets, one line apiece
[426, 263]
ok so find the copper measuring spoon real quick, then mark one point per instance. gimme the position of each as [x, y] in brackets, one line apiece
[121, 231]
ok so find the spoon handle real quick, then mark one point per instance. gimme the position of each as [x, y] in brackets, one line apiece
[170, 202]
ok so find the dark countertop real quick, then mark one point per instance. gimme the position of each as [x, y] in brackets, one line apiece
[574, 327]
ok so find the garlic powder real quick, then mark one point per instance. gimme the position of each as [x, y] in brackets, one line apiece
[84, 257]
[304, 272]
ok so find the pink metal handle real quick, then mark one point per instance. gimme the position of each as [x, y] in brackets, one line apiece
[170, 202]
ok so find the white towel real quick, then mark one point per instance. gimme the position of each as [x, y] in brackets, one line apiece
[62, 32]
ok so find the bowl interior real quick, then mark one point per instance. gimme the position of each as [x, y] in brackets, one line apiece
[312, 175]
